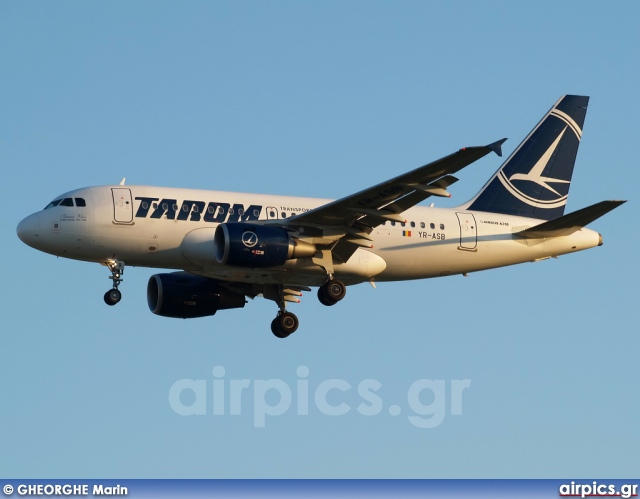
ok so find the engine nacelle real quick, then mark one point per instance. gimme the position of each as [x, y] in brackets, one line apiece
[248, 245]
[184, 296]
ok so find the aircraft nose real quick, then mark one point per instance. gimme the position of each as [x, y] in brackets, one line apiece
[29, 230]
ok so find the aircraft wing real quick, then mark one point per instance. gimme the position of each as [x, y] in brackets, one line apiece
[382, 201]
[356, 215]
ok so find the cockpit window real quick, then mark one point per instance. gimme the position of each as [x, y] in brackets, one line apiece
[66, 202]
[53, 203]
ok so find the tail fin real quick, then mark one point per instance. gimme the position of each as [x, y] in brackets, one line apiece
[534, 181]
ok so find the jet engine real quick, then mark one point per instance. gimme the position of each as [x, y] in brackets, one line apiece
[184, 296]
[248, 245]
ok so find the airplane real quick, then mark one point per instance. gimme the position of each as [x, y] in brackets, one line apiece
[227, 246]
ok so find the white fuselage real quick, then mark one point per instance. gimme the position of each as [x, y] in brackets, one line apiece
[154, 227]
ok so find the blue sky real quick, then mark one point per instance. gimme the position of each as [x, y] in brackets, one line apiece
[317, 99]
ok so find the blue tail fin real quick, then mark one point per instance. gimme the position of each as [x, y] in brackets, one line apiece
[534, 181]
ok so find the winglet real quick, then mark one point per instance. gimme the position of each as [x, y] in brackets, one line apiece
[497, 146]
[122, 181]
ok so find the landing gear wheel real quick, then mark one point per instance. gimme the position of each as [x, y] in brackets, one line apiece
[116, 267]
[284, 324]
[331, 292]
[112, 297]
[336, 289]
[288, 322]
[324, 298]
[275, 329]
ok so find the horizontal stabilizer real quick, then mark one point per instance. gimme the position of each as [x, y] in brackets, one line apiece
[570, 223]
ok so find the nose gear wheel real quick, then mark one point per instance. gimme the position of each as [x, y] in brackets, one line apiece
[114, 295]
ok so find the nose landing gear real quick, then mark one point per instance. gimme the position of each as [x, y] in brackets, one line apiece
[114, 295]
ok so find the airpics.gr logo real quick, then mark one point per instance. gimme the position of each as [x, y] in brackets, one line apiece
[526, 186]
[425, 402]
[249, 239]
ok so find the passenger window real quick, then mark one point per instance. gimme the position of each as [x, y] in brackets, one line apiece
[67, 202]
[195, 208]
[256, 213]
[433, 226]
[413, 224]
[231, 211]
[211, 208]
[145, 205]
[402, 224]
[284, 215]
[185, 207]
[422, 224]
[393, 223]
[80, 202]
[441, 226]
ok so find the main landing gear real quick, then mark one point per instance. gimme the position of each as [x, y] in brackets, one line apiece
[114, 295]
[331, 292]
[284, 324]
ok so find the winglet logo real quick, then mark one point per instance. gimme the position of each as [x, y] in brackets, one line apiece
[249, 239]
[553, 198]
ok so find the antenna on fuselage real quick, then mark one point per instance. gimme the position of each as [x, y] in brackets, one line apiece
[122, 181]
